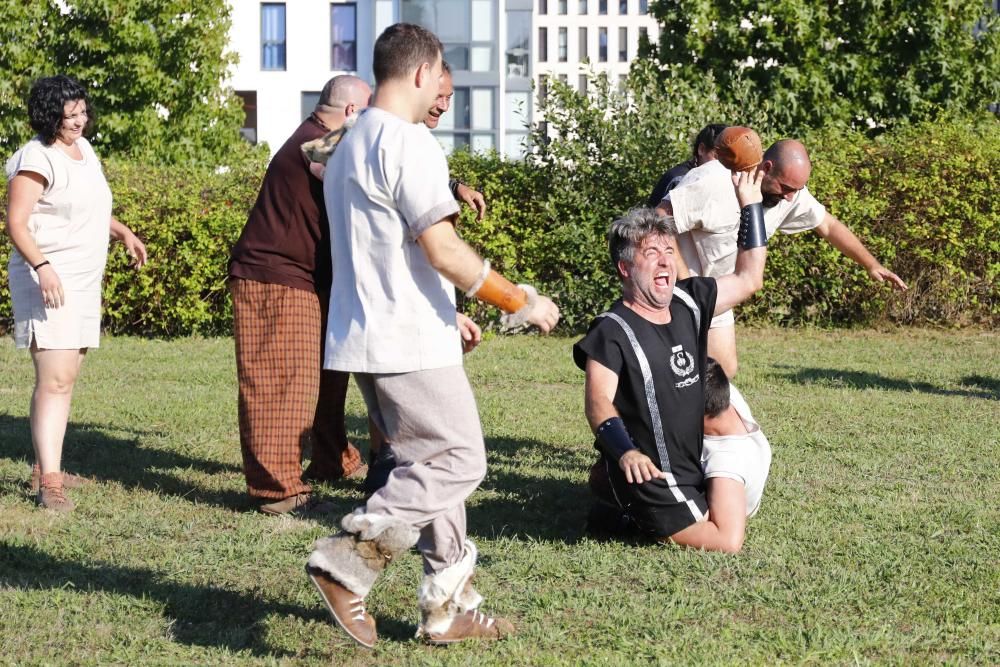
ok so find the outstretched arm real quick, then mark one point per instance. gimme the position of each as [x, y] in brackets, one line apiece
[843, 239]
[737, 287]
[454, 259]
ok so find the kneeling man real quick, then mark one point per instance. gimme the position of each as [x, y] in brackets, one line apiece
[645, 361]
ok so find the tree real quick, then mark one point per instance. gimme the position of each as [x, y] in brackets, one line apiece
[153, 69]
[863, 62]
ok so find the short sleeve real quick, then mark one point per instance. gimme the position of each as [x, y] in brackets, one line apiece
[806, 213]
[31, 157]
[705, 292]
[696, 197]
[602, 344]
[421, 191]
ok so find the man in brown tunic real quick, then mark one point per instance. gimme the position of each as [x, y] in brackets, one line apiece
[279, 277]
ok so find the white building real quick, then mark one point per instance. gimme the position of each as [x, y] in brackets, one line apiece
[497, 49]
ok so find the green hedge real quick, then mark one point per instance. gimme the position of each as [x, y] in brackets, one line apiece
[923, 198]
[188, 219]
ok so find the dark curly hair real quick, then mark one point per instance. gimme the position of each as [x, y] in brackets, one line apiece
[47, 100]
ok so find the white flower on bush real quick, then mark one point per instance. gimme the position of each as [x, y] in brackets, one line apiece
[222, 169]
[770, 62]
[766, 19]
[162, 111]
[748, 63]
[746, 24]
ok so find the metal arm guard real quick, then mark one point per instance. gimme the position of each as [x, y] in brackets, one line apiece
[613, 438]
[752, 232]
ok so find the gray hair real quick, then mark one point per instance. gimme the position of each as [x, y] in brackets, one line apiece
[340, 91]
[627, 232]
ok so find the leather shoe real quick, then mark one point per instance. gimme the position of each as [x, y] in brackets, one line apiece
[348, 609]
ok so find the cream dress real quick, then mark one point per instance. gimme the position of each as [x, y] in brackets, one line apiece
[71, 225]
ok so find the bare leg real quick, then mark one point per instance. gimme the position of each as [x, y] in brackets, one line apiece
[722, 347]
[55, 375]
[727, 519]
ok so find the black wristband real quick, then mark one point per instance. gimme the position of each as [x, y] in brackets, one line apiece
[613, 438]
[753, 233]
[453, 186]
[40, 265]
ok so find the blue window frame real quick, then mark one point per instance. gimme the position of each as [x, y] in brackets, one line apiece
[272, 36]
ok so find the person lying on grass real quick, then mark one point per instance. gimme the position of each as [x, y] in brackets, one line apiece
[645, 361]
[735, 459]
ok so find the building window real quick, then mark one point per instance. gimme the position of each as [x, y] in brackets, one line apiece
[643, 35]
[543, 6]
[563, 45]
[623, 7]
[583, 83]
[309, 100]
[249, 129]
[344, 36]
[563, 9]
[623, 45]
[583, 45]
[602, 6]
[643, 6]
[470, 121]
[543, 89]
[583, 7]
[564, 78]
[518, 111]
[466, 28]
[272, 36]
[543, 45]
[602, 45]
[518, 53]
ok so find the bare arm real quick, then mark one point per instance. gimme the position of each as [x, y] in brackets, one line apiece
[843, 239]
[454, 259]
[135, 248]
[599, 393]
[748, 277]
[25, 190]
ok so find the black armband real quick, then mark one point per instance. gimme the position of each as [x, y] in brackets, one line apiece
[453, 184]
[752, 232]
[613, 438]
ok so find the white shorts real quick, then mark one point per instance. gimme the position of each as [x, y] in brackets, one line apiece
[744, 458]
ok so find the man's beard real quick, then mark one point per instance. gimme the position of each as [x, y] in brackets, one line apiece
[770, 201]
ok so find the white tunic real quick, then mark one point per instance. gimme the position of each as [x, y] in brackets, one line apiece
[71, 225]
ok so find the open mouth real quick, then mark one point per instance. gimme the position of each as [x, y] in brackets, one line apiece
[661, 279]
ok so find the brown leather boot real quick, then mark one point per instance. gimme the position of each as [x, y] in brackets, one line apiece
[50, 493]
[70, 481]
[347, 608]
[473, 624]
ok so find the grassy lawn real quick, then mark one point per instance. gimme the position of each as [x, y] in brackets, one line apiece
[877, 542]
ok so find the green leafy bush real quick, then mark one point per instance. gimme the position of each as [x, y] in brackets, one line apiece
[189, 219]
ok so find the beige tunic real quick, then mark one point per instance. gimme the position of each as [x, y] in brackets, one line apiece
[71, 225]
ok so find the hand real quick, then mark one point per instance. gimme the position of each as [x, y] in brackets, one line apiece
[473, 199]
[51, 287]
[881, 274]
[472, 335]
[748, 187]
[317, 169]
[136, 250]
[639, 468]
[544, 314]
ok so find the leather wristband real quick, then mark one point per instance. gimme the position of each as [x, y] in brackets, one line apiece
[753, 233]
[40, 265]
[613, 438]
[453, 186]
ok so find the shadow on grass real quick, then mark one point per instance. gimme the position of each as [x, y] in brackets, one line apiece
[205, 615]
[90, 451]
[982, 387]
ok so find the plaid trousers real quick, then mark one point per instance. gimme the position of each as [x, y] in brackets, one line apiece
[287, 403]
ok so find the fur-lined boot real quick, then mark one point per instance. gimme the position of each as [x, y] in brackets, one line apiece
[345, 566]
[449, 605]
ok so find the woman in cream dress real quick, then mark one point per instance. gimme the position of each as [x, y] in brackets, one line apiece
[59, 220]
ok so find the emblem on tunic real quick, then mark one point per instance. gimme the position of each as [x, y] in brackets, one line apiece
[681, 362]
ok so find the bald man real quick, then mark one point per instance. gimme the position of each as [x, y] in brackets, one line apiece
[279, 277]
[706, 213]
